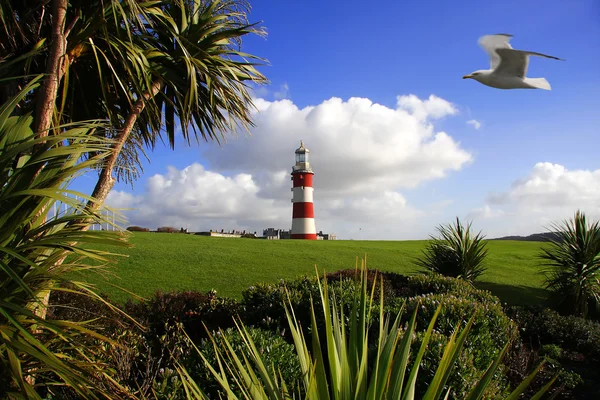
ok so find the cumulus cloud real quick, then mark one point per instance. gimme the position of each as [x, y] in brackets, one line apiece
[434, 107]
[474, 123]
[282, 93]
[199, 200]
[550, 193]
[356, 146]
[364, 154]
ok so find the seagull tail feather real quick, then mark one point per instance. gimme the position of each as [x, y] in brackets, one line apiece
[538, 83]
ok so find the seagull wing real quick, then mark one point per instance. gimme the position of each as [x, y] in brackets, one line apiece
[491, 43]
[515, 62]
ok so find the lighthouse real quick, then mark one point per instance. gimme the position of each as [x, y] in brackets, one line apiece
[303, 215]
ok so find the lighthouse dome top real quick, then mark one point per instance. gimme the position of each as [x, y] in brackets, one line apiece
[302, 149]
[302, 163]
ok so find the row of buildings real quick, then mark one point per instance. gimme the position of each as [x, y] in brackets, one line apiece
[278, 234]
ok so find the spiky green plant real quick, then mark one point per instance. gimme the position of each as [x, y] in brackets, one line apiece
[456, 253]
[572, 264]
[344, 369]
[34, 175]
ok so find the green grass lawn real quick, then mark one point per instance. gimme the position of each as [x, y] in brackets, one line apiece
[177, 262]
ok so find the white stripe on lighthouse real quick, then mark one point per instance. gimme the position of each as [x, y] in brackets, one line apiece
[303, 194]
[303, 225]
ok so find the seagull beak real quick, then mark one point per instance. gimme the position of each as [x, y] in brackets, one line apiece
[467, 76]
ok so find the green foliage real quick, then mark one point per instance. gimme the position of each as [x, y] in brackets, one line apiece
[121, 50]
[456, 253]
[193, 310]
[276, 353]
[573, 266]
[547, 327]
[137, 229]
[464, 375]
[34, 175]
[491, 327]
[338, 364]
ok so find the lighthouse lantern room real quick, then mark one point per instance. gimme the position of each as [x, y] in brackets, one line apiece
[303, 215]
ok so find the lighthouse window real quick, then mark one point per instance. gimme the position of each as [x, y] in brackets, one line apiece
[301, 157]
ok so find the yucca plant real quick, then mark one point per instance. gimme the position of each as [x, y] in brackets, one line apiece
[345, 369]
[456, 253]
[572, 262]
[34, 175]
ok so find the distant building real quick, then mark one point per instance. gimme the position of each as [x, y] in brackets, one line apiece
[220, 234]
[326, 236]
[275, 234]
[280, 234]
[229, 234]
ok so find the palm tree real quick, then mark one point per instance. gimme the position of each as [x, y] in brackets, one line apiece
[144, 66]
[456, 253]
[33, 349]
[572, 264]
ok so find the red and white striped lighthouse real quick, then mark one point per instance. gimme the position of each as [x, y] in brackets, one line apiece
[303, 216]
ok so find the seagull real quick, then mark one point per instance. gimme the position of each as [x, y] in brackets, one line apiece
[508, 66]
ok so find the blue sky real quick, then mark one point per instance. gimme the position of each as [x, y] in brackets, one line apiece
[348, 49]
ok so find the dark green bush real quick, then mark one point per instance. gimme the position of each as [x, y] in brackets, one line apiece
[571, 344]
[137, 229]
[263, 303]
[491, 328]
[276, 352]
[192, 309]
[460, 300]
[545, 327]
[464, 375]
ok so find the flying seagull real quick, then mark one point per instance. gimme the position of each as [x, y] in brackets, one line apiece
[508, 66]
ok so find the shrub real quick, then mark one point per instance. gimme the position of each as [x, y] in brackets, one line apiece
[167, 229]
[464, 375]
[573, 266]
[459, 300]
[456, 253]
[546, 327]
[137, 229]
[192, 309]
[491, 327]
[341, 370]
[571, 343]
[276, 352]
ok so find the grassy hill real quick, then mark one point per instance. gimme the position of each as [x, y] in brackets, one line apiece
[179, 262]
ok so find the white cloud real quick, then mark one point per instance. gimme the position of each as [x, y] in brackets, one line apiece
[485, 212]
[270, 91]
[473, 122]
[200, 200]
[550, 193]
[282, 93]
[434, 107]
[357, 146]
[363, 154]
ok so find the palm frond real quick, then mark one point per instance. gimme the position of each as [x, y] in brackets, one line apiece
[456, 252]
[572, 265]
[34, 174]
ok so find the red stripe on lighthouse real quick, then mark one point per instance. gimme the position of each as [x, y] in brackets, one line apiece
[303, 179]
[303, 210]
[310, 236]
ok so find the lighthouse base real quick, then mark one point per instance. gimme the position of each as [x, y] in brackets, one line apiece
[307, 236]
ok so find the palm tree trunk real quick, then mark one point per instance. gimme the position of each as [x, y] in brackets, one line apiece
[46, 100]
[106, 181]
